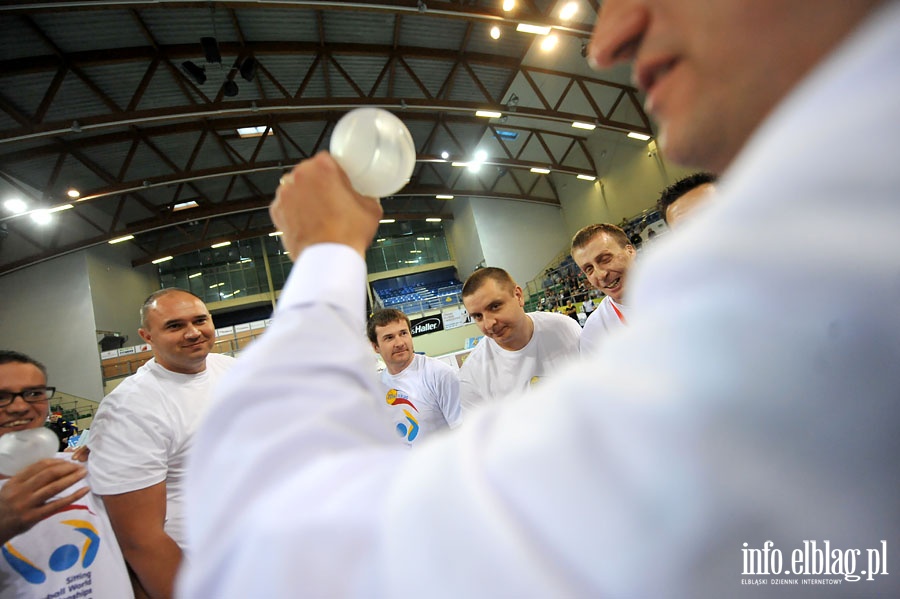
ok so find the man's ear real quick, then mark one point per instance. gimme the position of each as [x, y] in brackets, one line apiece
[145, 335]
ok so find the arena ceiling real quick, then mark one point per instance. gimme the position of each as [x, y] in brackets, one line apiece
[95, 96]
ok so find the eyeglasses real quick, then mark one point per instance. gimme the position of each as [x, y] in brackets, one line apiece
[30, 395]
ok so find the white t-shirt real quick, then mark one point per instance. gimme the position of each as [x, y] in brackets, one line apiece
[143, 430]
[491, 372]
[422, 398]
[72, 553]
[609, 316]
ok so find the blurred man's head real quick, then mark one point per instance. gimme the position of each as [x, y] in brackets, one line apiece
[180, 329]
[24, 394]
[604, 255]
[389, 333]
[681, 198]
[712, 71]
[497, 305]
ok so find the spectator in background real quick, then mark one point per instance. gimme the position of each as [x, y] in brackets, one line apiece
[47, 507]
[519, 348]
[684, 196]
[142, 431]
[421, 393]
[604, 255]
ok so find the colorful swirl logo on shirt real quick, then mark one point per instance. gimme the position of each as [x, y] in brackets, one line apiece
[409, 429]
[62, 558]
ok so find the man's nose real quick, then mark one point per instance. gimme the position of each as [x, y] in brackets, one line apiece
[191, 331]
[617, 34]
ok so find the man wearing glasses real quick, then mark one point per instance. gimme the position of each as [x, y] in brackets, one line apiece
[141, 434]
[54, 533]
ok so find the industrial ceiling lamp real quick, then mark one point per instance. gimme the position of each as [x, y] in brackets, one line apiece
[195, 72]
[248, 68]
[211, 50]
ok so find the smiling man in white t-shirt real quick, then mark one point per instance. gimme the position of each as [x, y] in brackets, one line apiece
[421, 394]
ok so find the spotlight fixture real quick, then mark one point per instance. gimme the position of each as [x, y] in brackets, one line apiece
[584, 50]
[230, 88]
[421, 6]
[248, 68]
[495, 32]
[512, 103]
[211, 50]
[197, 73]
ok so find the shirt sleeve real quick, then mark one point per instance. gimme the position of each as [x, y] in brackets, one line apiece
[470, 394]
[448, 392]
[129, 447]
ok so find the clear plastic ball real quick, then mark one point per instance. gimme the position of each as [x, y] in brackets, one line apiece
[375, 149]
[20, 449]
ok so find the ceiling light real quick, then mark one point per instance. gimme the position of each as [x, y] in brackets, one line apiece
[442, 196]
[120, 239]
[508, 5]
[445, 155]
[60, 208]
[245, 132]
[549, 42]
[163, 259]
[41, 217]
[276, 233]
[197, 73]
[184, 205]
[568, 11]
[535, 29]
[580, 125]
[211, 49]
[230, 89]
[495, 32]
[639, 136]
[213, 286]
[541, 171]
[379, 240]
[432, 220]
[248, 68]
[587, 177]
[488, 114]
[246, 260]
[459, 164]
[387, 221]
[220, 245]
[15, 205]
[195, 275]
[73, 193]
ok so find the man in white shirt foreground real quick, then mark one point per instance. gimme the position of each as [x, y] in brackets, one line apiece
[421, 394]
[604, 255]
[54, 533]
[519, 349]
[142, 431]
[751, 407]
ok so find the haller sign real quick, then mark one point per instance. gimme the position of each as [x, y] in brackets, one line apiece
[429, 324]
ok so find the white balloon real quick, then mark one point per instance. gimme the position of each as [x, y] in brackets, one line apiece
[375, 149]
[20, 449]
